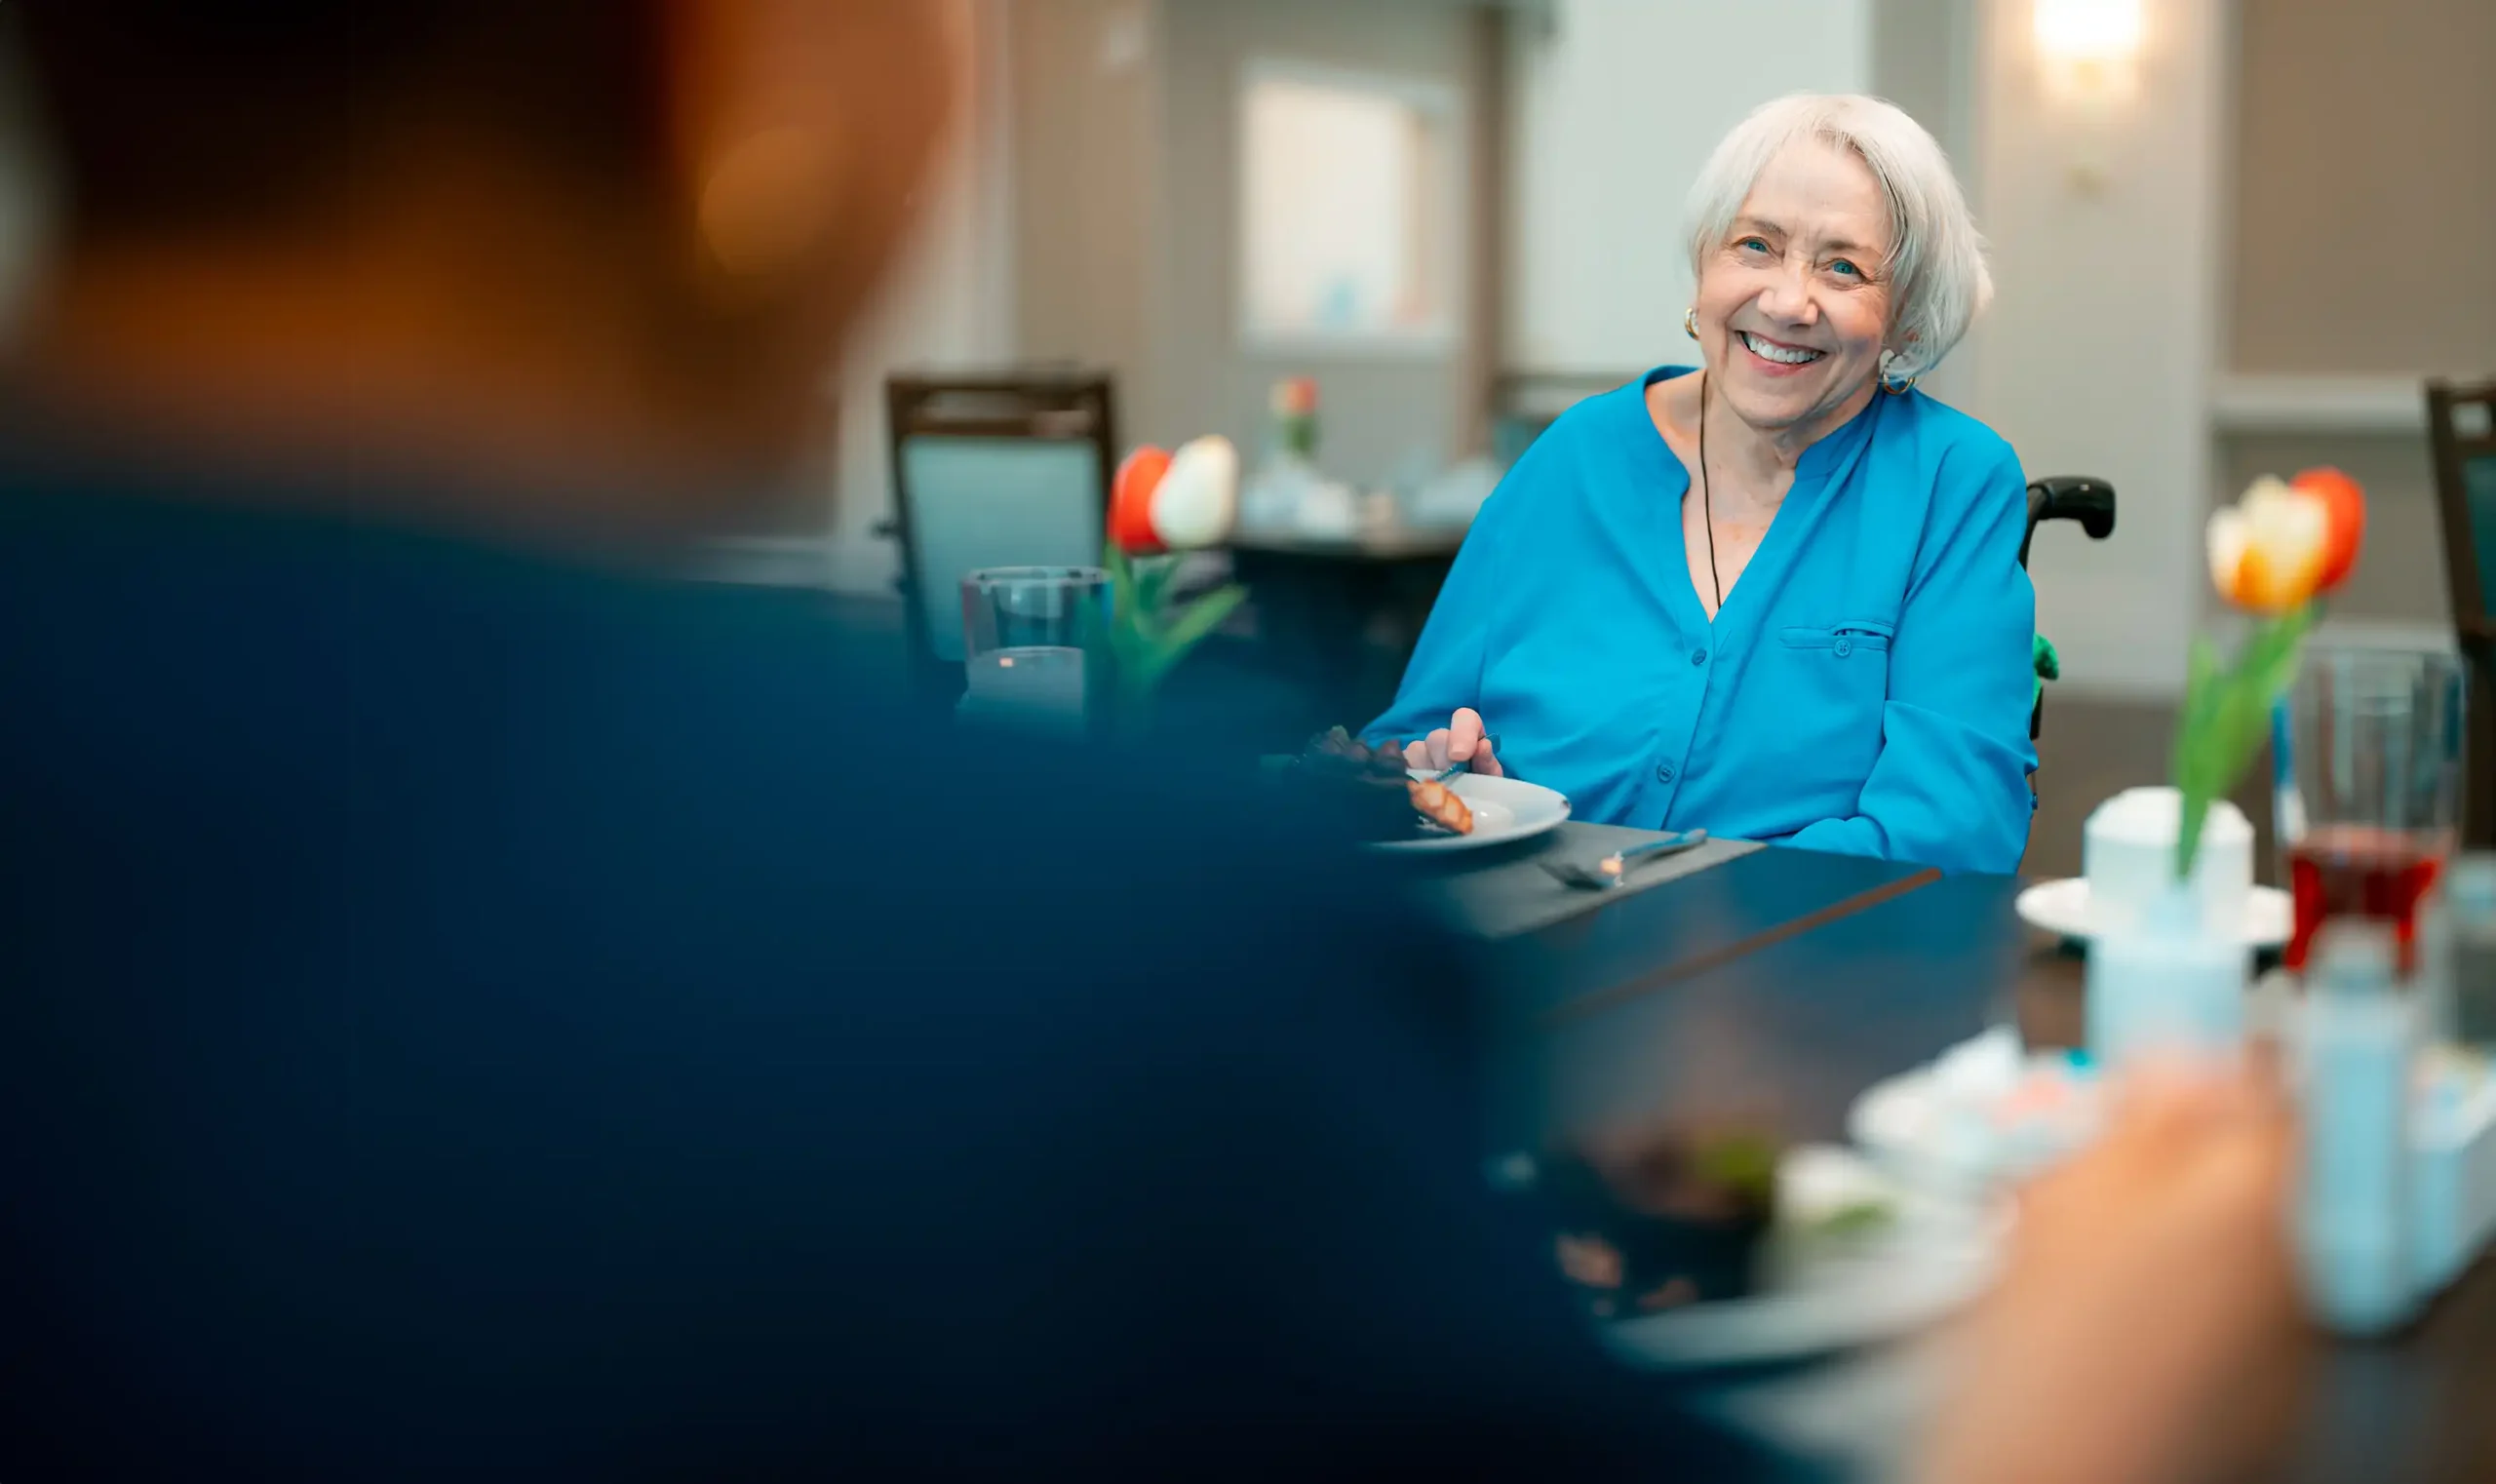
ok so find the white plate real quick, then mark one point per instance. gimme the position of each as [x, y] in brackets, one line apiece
[1918, 1127]
[1503, 810]
[1934, 1256]
[2062, 908]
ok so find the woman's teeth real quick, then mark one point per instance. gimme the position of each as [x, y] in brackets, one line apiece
[1782, 355]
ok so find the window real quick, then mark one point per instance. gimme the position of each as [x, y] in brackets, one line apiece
[1349, 213]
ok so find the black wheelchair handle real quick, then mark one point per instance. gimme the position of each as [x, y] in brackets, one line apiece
[2080, 497]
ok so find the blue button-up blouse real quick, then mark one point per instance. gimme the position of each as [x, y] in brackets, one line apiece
[1865, 687]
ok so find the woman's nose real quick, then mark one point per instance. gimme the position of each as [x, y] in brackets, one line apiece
[1787, 300]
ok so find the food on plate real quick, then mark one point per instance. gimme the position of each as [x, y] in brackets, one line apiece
[1664, 1220]
[1832, 1204]
[1388, 803]
[1439, 804]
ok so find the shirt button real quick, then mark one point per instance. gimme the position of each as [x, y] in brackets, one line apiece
[1698, 656]
[1663, 773]
[1844, 647]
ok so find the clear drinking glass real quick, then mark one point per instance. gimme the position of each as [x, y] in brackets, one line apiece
[1032, 643]
[2470, 906]
[2376, 738]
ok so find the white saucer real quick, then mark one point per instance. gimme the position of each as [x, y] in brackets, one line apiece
[2062, 908]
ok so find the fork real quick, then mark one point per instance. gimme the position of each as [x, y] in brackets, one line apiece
[1453, 769]
[1613, 869]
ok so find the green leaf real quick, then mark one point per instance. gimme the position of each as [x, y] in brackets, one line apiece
[1123, 635]
[2202, 664]
[1858, 1218]
[1121, 587]
[1744, 1163]
[2201, 677]
[1145, 640]
[2278, 669]
[1190, 628]
[2226, 718]
[2232, 727]
[1151, 585]
[1204, 615]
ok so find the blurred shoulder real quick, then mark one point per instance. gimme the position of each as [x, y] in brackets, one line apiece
[1602, 421]
[1967, 466]
[1950, 441]
[1580, 449]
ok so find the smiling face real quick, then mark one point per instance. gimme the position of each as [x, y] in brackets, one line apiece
[1794, 307]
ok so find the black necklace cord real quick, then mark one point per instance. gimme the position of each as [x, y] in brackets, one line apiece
[1706, 504]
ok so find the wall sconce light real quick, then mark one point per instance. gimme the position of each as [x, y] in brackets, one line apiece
[2088, 53]
[2088, 29]
[2091, 45]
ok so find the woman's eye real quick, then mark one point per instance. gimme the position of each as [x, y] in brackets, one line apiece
[1845, 268]
[1751, 244]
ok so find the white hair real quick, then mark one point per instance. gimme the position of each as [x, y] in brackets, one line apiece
[1938, 282]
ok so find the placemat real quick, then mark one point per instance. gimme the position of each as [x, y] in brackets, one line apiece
[1513, 894]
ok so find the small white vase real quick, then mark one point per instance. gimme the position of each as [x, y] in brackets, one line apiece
[2128, 853]
[2168, 979]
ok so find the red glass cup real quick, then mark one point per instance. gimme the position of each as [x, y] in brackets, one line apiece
[2376, 763]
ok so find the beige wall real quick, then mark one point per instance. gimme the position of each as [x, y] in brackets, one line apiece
[1381, 411]
[1614, 106]
[1126, 188]
[2365, 188]
[1085, 168]
[2364, 243]
[1922, 59]
[2098, 353]
[2401, 577]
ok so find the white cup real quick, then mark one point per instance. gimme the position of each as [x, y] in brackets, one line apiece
[2128, 853]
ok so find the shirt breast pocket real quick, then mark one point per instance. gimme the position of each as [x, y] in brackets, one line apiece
[1830, 685]
[1845, 640]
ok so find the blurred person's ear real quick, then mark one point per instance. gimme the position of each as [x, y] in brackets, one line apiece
[797, 136]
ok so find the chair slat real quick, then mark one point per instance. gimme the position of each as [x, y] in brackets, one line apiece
[993, 469]
[2465, 463]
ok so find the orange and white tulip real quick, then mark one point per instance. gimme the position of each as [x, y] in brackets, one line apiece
[1131, 490]
[1295, 397]
[1162, 501]
[2287, 542]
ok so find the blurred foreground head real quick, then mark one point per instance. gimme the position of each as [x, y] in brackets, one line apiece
[576, 244]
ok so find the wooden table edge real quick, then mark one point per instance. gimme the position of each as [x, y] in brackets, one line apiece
[1612, 997]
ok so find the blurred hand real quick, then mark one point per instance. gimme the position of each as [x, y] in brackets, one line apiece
[1460, 740]
[2146, 1328]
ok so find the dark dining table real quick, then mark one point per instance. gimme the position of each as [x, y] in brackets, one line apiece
[1774, 988]
[1310, 595]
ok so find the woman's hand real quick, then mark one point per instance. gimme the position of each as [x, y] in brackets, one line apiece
[1460, 740]
[2147, 1327]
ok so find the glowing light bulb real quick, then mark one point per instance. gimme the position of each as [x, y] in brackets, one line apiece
[2088, 30]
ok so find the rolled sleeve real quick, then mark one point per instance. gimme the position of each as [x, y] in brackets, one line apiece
[1950, 788]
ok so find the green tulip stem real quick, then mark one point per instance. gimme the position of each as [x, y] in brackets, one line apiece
[2227, 716]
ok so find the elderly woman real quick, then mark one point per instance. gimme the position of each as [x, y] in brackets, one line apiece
[1778, 596]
